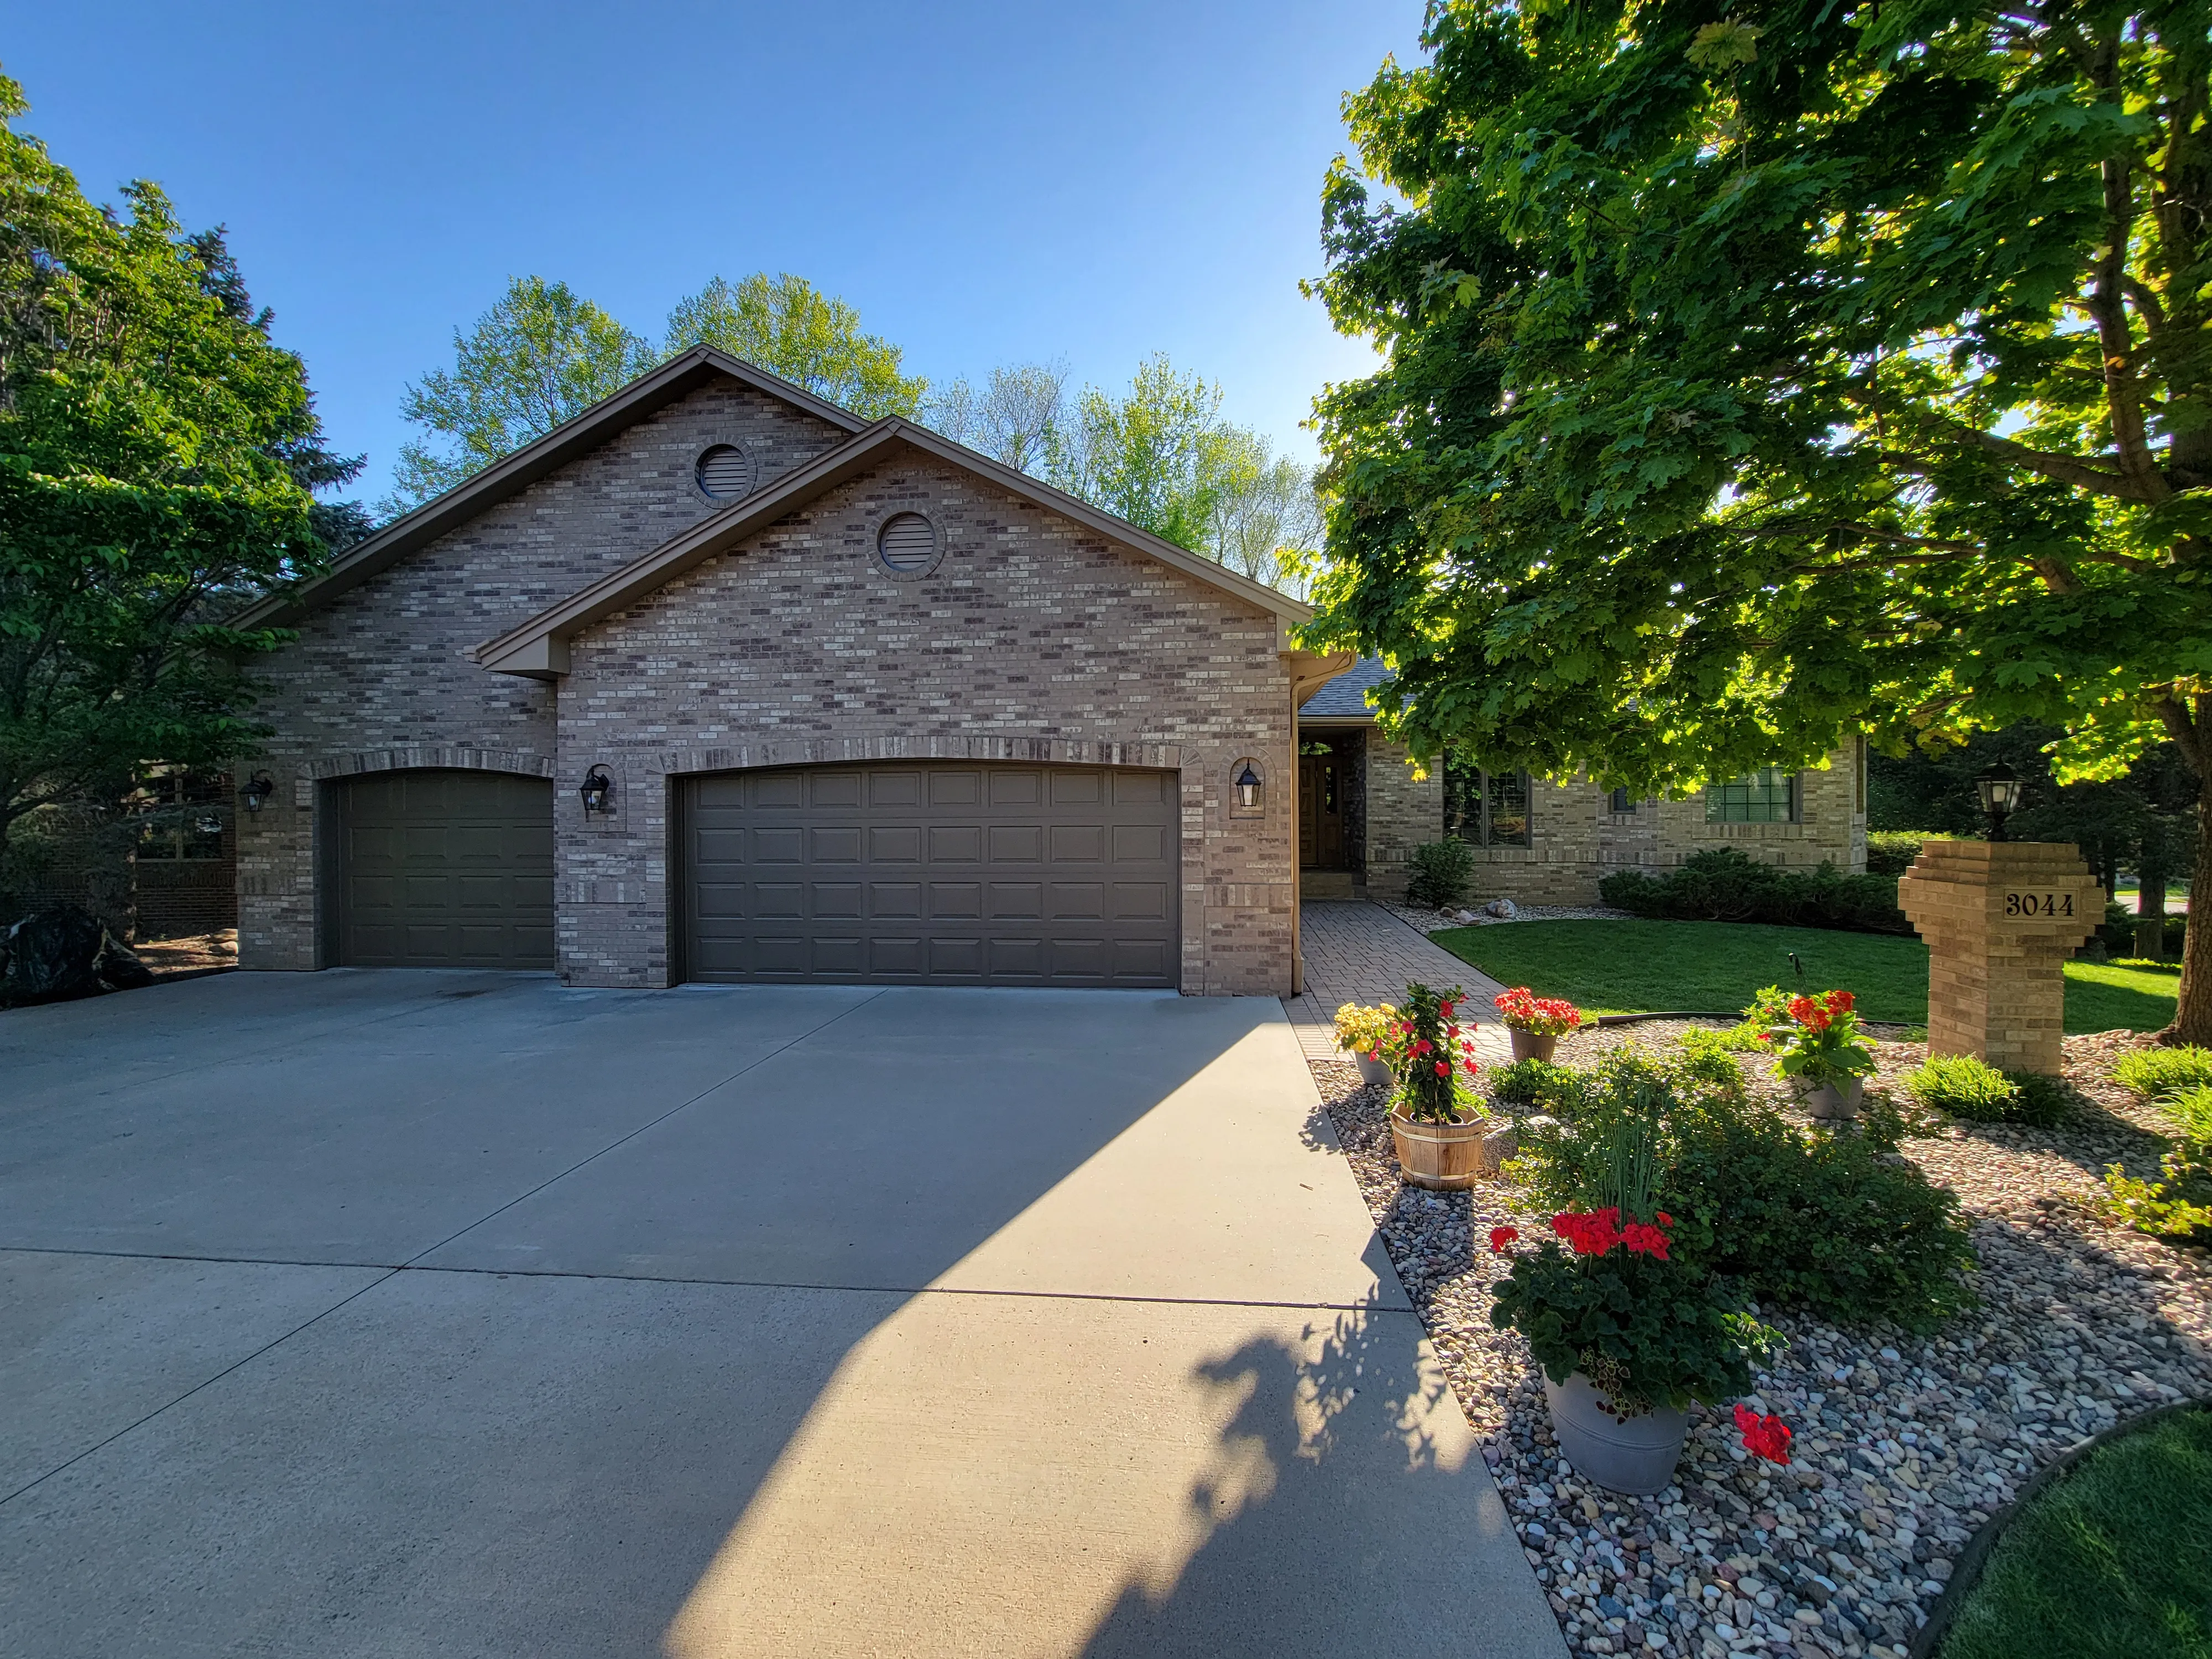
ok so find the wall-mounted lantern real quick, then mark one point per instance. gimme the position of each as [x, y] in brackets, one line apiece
[598, 790]
[1999, 789]
[258, 788]
[1247, 787]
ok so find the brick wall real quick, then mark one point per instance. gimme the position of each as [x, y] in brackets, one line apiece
[1033, 640]
[1403, 810]
[379, 676]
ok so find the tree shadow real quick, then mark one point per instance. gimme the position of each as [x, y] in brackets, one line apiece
[1347, 1511]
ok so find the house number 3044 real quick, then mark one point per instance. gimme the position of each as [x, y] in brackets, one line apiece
[2039, 904]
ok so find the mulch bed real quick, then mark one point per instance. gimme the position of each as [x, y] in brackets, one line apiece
[1905, 1445]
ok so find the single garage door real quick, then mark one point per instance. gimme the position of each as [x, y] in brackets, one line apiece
[934, 873]
[439, 869]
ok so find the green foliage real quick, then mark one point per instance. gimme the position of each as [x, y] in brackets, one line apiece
[158, 456]
[2113, 1557]
[1816, 1220]
[2180, 1205]
[1730, 408]
[1890, 852]
[1536, 1085]
[1960, 1085]
[1162, 457]
[1724, 885]
[2150, 1072]
[541, 356]
[1708, 1063]
[1657, 1332]
[1433, 1060]
[789, 327]
[1437, 872]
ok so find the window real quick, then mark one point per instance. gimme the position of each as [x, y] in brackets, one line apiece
[1488, 809]
[181, 817]
[1767, 796]
[1622, 802]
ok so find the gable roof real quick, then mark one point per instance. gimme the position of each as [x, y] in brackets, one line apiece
[1345, 697]
[539, 647]
[646, 395]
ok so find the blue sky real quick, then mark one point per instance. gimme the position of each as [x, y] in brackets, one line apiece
[986, 183]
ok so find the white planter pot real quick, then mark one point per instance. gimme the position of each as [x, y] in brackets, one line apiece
[1372, 1070]
[1635, 1456]
[1834, 1105]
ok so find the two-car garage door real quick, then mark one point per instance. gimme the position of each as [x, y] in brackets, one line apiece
[932, 872]
[927, 872]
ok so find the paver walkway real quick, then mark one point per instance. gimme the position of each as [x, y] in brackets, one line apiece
[1360, 952]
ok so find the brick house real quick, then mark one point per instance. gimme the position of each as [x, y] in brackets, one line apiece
[1362, 811]
[718, 681]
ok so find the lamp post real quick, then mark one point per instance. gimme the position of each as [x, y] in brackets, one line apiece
[1999, 787]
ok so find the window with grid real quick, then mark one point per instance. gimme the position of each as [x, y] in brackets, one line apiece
[180, 817]
[1486, 809]
[1767, 796]
[1622, 802]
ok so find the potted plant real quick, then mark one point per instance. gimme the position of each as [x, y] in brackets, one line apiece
[1818, 1048]
[1627, 1337]
[1436, 1123]
[1371, 1036]
[1537, 1023]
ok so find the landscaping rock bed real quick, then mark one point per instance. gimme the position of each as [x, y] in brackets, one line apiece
[1905, 1445]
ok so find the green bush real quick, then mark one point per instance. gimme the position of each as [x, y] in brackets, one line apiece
[1890, 852]
[1724, 885]
[2150, 1072]
[1816, 1220]
[1537, 1085]
[1960, 1085]
[2179, 1206]
[1438, 874]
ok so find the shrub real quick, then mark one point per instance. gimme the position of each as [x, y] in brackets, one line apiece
[1890, 852]
[2180, 1205]
[1537, 1085]
[2150, 1072]
[1709, 1061]
[1724, 885]
[1819, 1220]
[1440, 870]
[1960, 1085]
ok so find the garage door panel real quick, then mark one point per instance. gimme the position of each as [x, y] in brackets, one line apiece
[936, 872]
[444, 869]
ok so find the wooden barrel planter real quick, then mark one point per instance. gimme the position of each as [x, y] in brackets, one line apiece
[1442, 1156]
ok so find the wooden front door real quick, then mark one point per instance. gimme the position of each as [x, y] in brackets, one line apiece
[1321, 811]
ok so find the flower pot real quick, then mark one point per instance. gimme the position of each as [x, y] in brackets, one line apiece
[1372, 1070]
[1834, 1105]
[1440, 1156]
[1527, 1045]
[1635, 1455]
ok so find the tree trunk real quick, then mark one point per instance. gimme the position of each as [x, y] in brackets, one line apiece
[2150, 898]
[2192, 1010]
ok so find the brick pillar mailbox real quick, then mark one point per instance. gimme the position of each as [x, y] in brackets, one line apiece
[2000, 919]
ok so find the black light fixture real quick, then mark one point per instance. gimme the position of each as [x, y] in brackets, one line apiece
[258, 788]
[1999, 787]
[598, 790]
[1248, 787]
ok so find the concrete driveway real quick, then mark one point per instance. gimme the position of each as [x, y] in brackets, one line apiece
[408, 1314]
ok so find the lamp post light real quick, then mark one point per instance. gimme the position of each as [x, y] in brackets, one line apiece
[598, 790]
[1248, 787]
[1999, 787]
[258, 788]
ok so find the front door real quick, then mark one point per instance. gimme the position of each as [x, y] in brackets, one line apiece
[1321, 807]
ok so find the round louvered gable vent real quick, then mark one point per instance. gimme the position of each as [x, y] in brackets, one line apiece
[725, 473]
[907, 543]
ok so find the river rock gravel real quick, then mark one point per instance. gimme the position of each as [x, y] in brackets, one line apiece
[1905, 1446]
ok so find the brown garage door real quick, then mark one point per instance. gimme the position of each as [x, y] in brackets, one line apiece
[445, 869]
[936, 872]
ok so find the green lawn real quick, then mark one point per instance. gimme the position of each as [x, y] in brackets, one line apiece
[1634, 967]
[2112, 1560]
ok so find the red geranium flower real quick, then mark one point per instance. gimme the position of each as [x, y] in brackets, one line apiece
[1501, 1237]
[1644, 1240]
[1764, 1437]
[1589, 1234]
